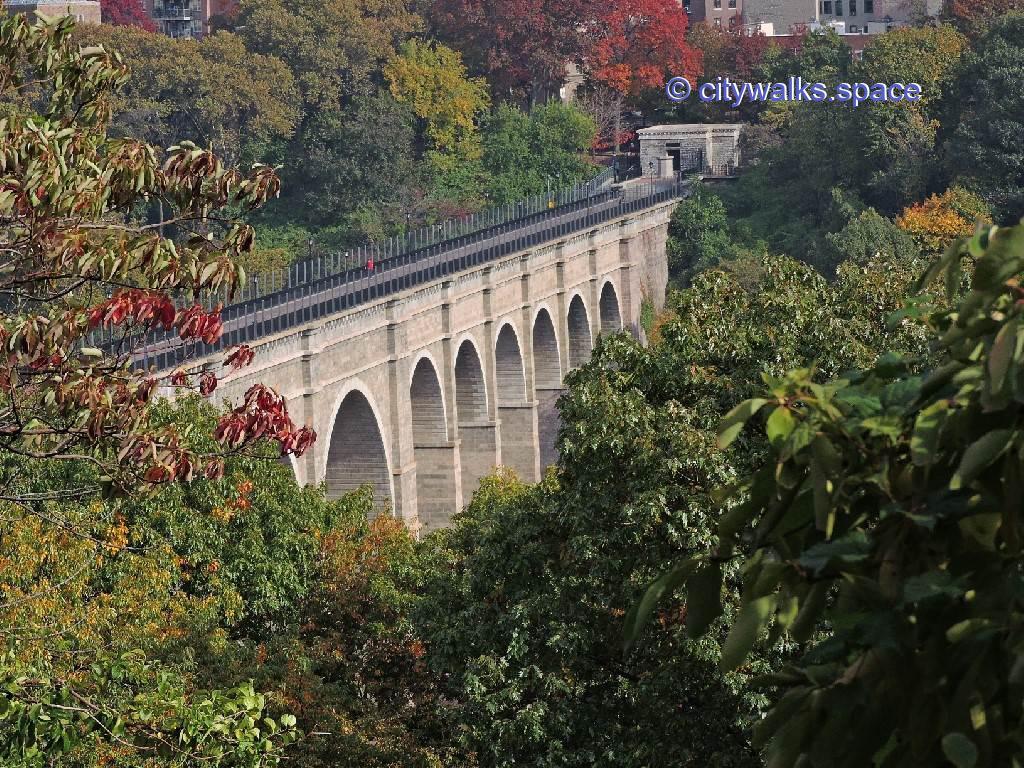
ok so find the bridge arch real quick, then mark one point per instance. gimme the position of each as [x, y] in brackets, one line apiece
[547, 366]
[478, 434]
[581, 343]
[470, 384]
[436, 495]
[357, 453]
[547, 376]
[509, 366]
[611, 316]
[429, 412]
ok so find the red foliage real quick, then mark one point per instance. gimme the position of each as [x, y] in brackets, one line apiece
[637, 44]
[126, 13]
[748, 52]
[195, 323]
[972, 11]
[263, 414]
[147, 308]
[514, 42]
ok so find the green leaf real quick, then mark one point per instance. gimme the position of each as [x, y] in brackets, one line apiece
[734, 421]
[927, 429]
[810, 609]
[960, 750]
[981, 455]
[1001, 355]
[780, 425]
[751, 620]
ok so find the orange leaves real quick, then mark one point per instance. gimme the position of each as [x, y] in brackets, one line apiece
[226, 512]
[941, 219]
[117, 536]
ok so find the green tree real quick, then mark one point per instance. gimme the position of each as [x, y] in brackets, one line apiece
[214, 90]
[526, 154]
[900, 141]
[340, 160]
[868, 236]
[888, 510]
[526, 598]
[698, 235]
[987, 119]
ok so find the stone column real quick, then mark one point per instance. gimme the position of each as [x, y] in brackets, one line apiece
[307, 464]
[561, 322]
[593, 296]
[480, 441]
[519, 439]
[403, 461]
[438, 466]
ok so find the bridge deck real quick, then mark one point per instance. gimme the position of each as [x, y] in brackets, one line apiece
[251, 320]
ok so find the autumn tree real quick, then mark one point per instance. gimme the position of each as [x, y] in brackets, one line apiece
[126, 13]
[974, 15]
[940, 219]
[522, 46]
[85, 284]
[636, 45]
[433, 81]
[728, 53]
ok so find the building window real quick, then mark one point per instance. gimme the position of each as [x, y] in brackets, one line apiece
[853, 7]
[869, 6]
[732, 3]
[718, 4]
[826, 7]
[718, 22]
[839, 7]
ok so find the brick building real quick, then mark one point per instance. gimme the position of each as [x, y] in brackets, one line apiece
[724, 14]
[848, 16]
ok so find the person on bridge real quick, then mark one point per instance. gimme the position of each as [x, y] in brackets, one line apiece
[369, 264]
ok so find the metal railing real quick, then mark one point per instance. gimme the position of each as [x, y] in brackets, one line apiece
[316, 288]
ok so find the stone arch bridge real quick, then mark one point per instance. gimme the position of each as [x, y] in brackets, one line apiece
[423, 390]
